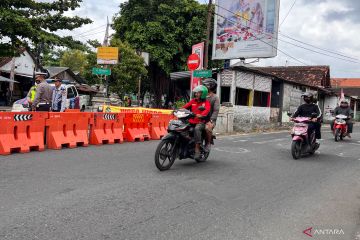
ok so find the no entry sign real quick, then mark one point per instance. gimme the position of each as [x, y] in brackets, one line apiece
[193, 62]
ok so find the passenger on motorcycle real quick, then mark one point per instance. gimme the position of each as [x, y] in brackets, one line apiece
[307, 110]
[214, 100]
[344, 109]
[200, 106]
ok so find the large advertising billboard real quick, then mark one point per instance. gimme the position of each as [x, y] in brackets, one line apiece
[245, 29]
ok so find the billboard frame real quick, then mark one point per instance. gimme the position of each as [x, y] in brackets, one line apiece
[272, 45]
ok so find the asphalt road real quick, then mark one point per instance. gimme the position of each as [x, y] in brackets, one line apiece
[250, 188]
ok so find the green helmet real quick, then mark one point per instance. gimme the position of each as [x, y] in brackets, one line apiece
[203, 90]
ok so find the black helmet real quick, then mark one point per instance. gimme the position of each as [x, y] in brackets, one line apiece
[210, 83]
[308, 94]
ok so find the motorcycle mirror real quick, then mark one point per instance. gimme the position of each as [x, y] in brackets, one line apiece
[289, 114]
[201, 108]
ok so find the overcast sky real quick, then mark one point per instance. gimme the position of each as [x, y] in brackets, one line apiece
[329, 24]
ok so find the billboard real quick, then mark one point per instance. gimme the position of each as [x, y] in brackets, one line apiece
[107, 55]
[245, 29]
[199, 50]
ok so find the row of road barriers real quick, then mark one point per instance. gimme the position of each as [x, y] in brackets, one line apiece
[37, 131]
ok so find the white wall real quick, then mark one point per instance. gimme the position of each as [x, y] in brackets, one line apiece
[24, 65]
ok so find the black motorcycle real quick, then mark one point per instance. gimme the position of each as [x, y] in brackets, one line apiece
[179, 142]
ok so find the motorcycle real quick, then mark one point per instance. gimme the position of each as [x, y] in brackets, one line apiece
[302, 141]
[340, 127]
[179, 142]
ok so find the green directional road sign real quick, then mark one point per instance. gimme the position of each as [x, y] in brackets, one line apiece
[101, 71]
[202, 73]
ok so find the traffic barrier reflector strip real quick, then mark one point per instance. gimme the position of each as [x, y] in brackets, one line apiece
[67, 129]
[136, 126]
[107, 128]
[21, 132]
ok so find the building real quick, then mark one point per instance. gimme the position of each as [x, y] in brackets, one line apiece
[293, 81]
[64, 73]
[350, 87]
[24, 67]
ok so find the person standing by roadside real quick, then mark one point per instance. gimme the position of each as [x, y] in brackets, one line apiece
[42, 100]
[58, 97]
[32, 93]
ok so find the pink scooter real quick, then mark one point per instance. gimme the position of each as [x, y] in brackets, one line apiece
[302, 142]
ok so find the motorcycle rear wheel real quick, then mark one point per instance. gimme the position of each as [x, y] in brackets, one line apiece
[163, 154]
[296, 149]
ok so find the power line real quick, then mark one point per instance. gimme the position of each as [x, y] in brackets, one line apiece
[287, 13]
[346, 60]
[93, 33]
[288, 55]
[82, 33]
[323, 49]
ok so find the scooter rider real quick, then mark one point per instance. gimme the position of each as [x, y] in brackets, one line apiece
[307, 110]
[199, 101]
[214, 100]
[344, 109]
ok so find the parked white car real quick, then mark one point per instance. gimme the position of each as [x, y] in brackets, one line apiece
[73, 100]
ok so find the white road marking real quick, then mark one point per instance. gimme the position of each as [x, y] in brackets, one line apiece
[357, 144]
[232, 149]
[243, 140]
[272, 140]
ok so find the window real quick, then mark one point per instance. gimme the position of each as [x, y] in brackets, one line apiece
[261, 99]
[276, 95]
[74, 91]
[225, 94]
[242, 97]
[70, 93]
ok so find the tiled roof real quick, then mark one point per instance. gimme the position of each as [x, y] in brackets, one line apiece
[345, 82]
[312, 76]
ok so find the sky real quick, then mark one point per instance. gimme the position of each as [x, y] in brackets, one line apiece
[329, 24]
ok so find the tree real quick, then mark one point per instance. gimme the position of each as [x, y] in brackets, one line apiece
[30, 22]
[51, 57]
[166, 29]
[76, 60]
[125, 75]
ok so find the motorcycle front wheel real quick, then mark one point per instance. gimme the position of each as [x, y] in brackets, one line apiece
[296, 149]
[164, 157]
[337, 134]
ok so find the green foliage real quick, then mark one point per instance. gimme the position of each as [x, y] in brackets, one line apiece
[125, 75]
[76, 60]
[166, 29]
[30, 22]
[51, 57]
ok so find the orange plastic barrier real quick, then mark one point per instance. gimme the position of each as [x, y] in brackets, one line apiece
[107, 128]
[136, 127]
[67, 130]
[21, 132]
[158, 125]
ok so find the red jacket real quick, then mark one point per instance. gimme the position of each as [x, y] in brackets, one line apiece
[194, 105]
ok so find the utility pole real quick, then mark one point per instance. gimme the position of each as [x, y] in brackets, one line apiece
[105, 44]
[208, 26]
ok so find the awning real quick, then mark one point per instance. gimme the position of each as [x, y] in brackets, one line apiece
[180, 75]
[4, 79]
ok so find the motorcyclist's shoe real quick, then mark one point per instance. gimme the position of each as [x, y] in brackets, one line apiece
[197, 156]
[349, 136]
[207, 148]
